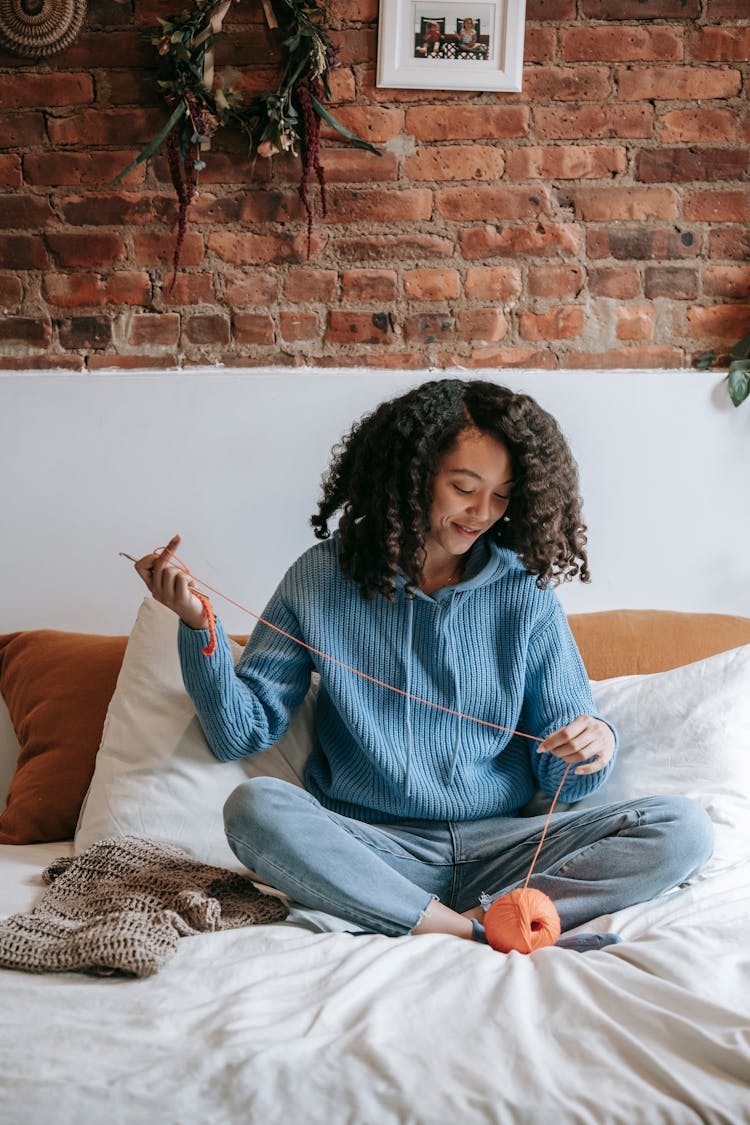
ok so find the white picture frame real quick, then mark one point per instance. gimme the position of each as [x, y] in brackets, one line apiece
[450, 45]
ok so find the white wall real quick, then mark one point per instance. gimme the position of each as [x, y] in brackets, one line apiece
[91, 465]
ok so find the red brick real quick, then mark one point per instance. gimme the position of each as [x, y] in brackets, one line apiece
[342, 85]
[82, 333]
[355, 46]
[215, 209]
[10, 171]
[722, 44]
[726, 9]
[641, 243]
[567, 162]
[161, 329]
[644, 357]
[493, 283]
[221, 168]
[269, 205]
[620, 282]
[41, 91]
[594, 122]
[374, 94]
[371, 123]
[685, 165]
[429, 328]
[91, 127]
[158, 249]
[481, 324]
[562, 323]
[241, 248]
[641, 9]
[432, 284]
[33, 331]
[359, 328]
[557, 10]
[621, 44]
[392, 361]
[601, 204]
[469, 122]
[253, 328]
[25, 211]
[118, 209]
[113, 47]
[47, 362]
[21, 130]
[726, 281]
[567, 83]
[189, 289]
[23, 252]
[455, 162]
[80, 167]
[697, 125]
[678, 283]
[539, 44]
[11, 291]
[492, 356]
[369, 285]
[353, 11]
[635, 323]
[295, 326]
[250, 287]
[127, 87]
[303, 285]
[558, 282]
[206, 328]
[99, 249]
[347, 205]
[145, 361]
[355, 166]
[718, 206]
[120, 288]
[675, 83]
[108, 13]
[535, 240]
[493, 202]
[399, 248]
[730, 242]
[720, 321]
[743, 124]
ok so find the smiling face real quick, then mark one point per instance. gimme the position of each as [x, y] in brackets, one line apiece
[471, 493]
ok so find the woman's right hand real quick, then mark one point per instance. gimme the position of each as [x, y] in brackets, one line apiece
[171, 586]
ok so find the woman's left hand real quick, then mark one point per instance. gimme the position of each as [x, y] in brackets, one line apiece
[583, 739]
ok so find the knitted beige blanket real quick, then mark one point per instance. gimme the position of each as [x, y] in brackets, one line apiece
[121, 907]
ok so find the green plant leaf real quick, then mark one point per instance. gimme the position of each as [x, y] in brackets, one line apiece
[323, 112]
[706, 361]
[741, 349]
[151, 148]
[739, 380]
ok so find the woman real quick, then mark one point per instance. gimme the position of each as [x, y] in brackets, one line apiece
[459, 511]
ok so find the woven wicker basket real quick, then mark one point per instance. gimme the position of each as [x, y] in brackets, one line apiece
[35, 28]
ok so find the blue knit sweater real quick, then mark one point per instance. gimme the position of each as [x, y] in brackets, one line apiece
[494, 647]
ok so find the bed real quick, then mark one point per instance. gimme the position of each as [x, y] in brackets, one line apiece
[300, 1020]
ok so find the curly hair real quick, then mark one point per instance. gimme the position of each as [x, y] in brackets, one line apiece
[381, 481]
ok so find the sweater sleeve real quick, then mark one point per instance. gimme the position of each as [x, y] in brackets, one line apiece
[248, 708]
[558, 691]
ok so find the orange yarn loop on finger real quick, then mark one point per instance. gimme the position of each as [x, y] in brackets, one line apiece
[523, 920]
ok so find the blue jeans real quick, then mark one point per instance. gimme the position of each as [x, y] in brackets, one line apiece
[383, 877]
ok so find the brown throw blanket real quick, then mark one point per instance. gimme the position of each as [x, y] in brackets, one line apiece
[122, 906]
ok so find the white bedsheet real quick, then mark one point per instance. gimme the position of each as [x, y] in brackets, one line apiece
[278, 1024]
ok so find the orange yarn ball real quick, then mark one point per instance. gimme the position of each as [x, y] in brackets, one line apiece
[523, 920]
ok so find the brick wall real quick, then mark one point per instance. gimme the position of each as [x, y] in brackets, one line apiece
[597, 219]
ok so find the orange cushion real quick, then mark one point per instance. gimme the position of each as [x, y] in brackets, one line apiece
[57, 687]
[631, 642]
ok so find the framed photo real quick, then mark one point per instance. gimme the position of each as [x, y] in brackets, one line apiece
[451, 45]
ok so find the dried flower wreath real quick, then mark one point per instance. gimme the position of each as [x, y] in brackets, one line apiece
[273, 122]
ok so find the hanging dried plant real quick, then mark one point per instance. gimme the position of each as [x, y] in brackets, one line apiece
[287, 119]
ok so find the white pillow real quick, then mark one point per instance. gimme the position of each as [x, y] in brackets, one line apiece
[155, 775]
[686, 731]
